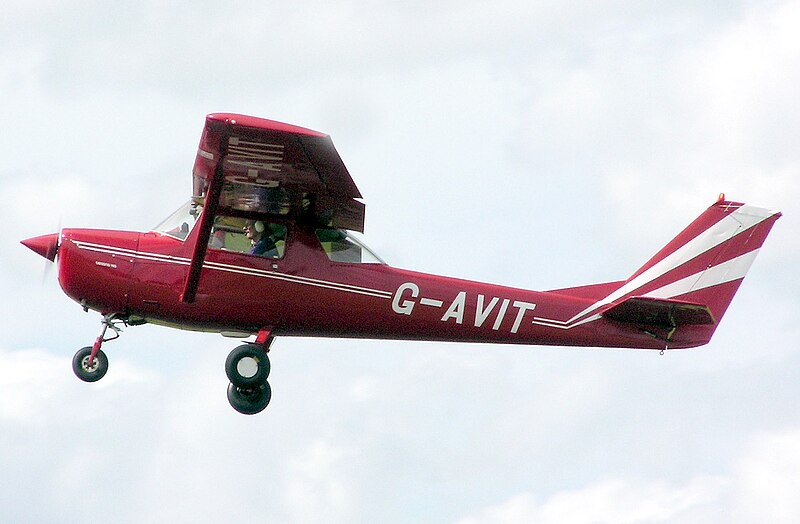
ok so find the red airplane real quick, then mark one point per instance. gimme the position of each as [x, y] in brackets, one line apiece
[265, 248]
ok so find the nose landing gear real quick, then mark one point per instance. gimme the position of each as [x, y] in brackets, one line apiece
[247, 367]
[90, 363]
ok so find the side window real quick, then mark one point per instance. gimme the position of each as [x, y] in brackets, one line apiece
[253, 237]
[341, 247]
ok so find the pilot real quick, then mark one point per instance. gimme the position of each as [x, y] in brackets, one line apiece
[261, 241]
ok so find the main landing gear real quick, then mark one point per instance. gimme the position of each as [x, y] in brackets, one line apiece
[247, 366]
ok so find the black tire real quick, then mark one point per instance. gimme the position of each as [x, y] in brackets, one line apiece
[236, 366]
[249, 401]
[81, 368]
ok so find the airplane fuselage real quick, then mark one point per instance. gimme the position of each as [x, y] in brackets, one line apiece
[140, 276]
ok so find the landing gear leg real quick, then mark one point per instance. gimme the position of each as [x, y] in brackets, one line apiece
[248, 367]
[90, 363]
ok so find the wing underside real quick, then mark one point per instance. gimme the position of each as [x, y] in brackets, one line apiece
[256, 168]
[272, 168]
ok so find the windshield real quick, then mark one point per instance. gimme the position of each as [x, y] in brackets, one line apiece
[179, 223]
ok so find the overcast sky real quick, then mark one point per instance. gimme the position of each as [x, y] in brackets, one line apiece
[533, 144]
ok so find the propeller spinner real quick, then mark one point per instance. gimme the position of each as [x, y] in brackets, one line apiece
[45, 245]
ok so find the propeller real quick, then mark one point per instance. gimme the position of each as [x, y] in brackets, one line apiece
[46, 246]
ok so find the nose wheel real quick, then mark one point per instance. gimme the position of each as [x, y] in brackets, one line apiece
[90, 363]
[86, 371]
[247, 368]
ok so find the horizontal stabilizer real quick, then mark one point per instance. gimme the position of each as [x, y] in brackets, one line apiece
[659, 312]
[592, 291]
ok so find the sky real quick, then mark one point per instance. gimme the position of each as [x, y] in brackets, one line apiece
[532, 144]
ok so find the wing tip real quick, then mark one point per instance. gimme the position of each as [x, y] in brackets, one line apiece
[261, 123]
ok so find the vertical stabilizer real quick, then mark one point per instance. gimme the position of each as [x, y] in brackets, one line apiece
[704, 266]
[685, 289]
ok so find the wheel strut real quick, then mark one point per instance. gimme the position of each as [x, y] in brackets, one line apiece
[109, 321]
[265, 338]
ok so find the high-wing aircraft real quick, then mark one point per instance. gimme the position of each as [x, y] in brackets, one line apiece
[265, 248]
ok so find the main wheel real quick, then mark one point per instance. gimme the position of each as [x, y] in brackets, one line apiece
[247, 366]
[82, 369]
[249, 401]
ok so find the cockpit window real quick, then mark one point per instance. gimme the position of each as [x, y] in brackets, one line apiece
[180, 223]
[253, 237]
[342, 246]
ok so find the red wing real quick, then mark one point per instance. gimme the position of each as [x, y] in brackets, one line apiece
[276, 168]
[253, 167]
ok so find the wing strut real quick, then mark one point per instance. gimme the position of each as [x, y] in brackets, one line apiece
[206, 222]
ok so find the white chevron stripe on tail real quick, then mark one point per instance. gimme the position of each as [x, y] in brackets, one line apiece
[738, 221]
[729, 271]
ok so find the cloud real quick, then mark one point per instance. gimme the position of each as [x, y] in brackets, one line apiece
[18, 403]
[58, 440]
[609, 501]
[315, 489]
[33, 383]
[767, 478]
[759, 488]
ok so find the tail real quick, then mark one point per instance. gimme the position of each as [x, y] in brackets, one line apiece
[681, 294]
